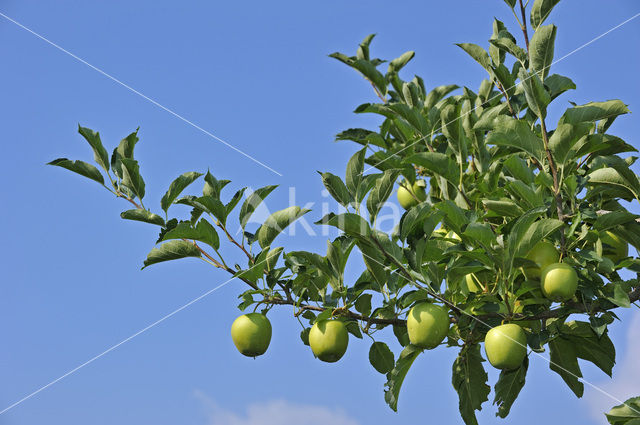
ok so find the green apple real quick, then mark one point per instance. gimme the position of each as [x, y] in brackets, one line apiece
[427, 325]
[506, 346]
[615, 248]
[543, 253]
[251, 334]
[409, 199]
[328, 340]
[559, 281]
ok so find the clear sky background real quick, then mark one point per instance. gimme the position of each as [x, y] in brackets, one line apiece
[257, 75]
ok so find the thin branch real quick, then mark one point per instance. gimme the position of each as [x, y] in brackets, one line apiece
[506, 97]
[377, 91]
[232, 240]
[222, 266]
[556, 183]
[523, 25]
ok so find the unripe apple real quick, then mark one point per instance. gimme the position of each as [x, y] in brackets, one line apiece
[251, 334]
[617, 249]
[559, 282]
[543, 253]
[506, 346]
[407, 199]
[328, 340]
[427, 325]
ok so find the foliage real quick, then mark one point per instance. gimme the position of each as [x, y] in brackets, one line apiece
[497, 177]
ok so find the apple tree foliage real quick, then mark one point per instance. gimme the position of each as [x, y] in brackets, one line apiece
[498, 175]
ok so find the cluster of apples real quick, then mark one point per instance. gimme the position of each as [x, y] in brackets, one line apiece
[428, 323]
[505, 345]
[251, 334]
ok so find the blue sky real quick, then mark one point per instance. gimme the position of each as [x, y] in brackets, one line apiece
[257, 75]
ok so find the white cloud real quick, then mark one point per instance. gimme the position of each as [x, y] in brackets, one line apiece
[276, 412]
[626, 376]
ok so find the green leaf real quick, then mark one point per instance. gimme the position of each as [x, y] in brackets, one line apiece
[541, 50]
[595, 111]
[212, 186]
[203, 232]
[503, 207]
[142, 215]
[276, 223]
[540, 11]
[123, 150]
[558, 84]
[537, 97]
[374, 261]
[265, 260]
[336, 188]
[480, 232]
[176, 188]
[234, 200]
[252, 202]
[478, 54]
[536, 232]
[508, 387]
[412, 220]
[521, 227]
[620, 296]
[516, 133]
[438, 93]
[625, 413]
[487, 116]
[613, 219]
[351, 224]
[213, 206]
[171, 250]
[564, 361]
[380, 193]
[395, 378]
[511, 3]
[563, 140]
[79, 167]
[439, 164]
[608, 176]
[100, 154]
[381, 358]
[370, 72]
[398, 63]
[508, 45]
[355, 167]
[131, 177]
[363, 304]
[599, 351]
[470, 382]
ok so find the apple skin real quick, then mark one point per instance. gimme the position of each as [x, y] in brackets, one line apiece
[427, 325]
[251, 334]
[559, 282]
[617, 250]
[329, 340]
[407, 200]
[506, 346]
[543, 253]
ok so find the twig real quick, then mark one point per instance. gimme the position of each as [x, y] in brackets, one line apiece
[523, 25]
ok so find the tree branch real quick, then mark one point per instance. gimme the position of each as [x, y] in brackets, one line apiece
[523, 25]
[232, 240]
